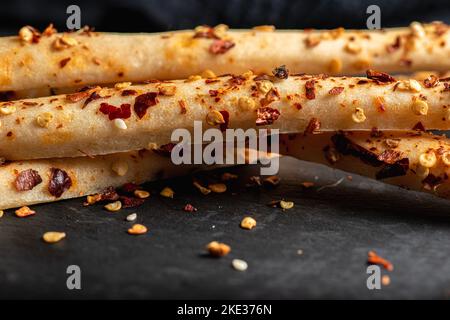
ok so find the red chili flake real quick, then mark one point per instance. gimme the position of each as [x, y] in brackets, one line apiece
[362, 82]
[221, 46]
[373, 258]
[226, 117]
[94, 96]
[128, 92]
[446, 87]
[336, 90]
[405, 62]
[63, 62]
[395, 46]
[310, 89]
[131, 202]
[59, 182]
[27, 180]
[209, 81]
[182, 105]
[419, 126]
[313, 126]
[75, 97]
[213, 93]
[123, 112]
[379, 76]
[28, 103]
[143, 102]
[390, 156]
[236, 80]
[206, 33]
[129, 187]
[266, 115]
[271, 96]
[431, 82]
[109, 194]
[189, 208]
[165, 150]
[298, 106]
[281, 72]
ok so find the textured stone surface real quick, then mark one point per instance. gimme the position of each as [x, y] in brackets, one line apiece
[335, 228]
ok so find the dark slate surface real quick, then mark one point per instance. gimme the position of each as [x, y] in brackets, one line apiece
[335, 228]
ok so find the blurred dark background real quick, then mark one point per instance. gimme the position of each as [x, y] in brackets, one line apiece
[162, 15]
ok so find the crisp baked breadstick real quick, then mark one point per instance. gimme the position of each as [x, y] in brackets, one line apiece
[417, 161]
[31, 60]
[19, 180]
[85, 122]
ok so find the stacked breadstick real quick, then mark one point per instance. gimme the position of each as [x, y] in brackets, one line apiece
[106, 132]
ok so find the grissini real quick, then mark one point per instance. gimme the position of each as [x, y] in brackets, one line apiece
[125, 118]
[46, 180]
[33, 60]
[417, 161]
[24, 183]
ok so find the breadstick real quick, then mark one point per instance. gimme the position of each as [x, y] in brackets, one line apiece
[111, 120]
[33, 60]
[417, 161]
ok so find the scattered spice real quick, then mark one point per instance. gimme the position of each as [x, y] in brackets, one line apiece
[373, 258]
[145, 101]
[113, 206]
[24, 212]
[59, 182]
[123, 112]
[137, 229]
[217, 187]
[380, 77]
[313, 127]
[218, 249]
[220, 46]
[248, 223]
[131, 217]
[141, 194]
[53, 236]
[336, 90]
[167, 192]
[239, 265]
[27, 180]
[310, 89]
[189, 208]
[266, 116]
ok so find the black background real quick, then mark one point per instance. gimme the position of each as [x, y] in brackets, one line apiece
[335, 227]
[162, 15]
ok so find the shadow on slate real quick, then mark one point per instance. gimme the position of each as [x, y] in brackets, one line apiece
[335, 227]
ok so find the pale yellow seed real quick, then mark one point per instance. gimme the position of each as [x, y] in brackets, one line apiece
[122, 85]
[1, 213]
[167, 192]
[152, 146]
[335, 66]
[358, 116]
[43, 120]
[417, 29]
[264, 86]
[248, 223]
[247, 75]
[214, 117]
[141, 194]
[64, 42]
[53, 236]
[26, 34]
[208, 74]
[409, 85]
[120, 168]
[120, 124]
[420, 107]
[446, 158]
[167, 90]
[131, 217]
[201, 188]
[428, 159]
[286, 204]
[353, 47]
[239, 265]
[8, 109]
[114, 206]
[226, 176]
[246, 103]
[217, 187]
[201, 29]
[193, 78]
